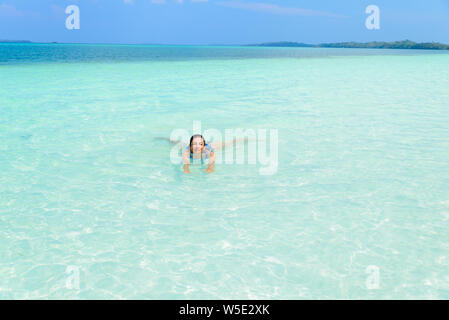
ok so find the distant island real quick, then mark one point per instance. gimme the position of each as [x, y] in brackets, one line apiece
[406, 44]
[16, 41]
[23, 41]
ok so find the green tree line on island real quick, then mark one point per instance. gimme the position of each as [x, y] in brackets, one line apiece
[405, 44]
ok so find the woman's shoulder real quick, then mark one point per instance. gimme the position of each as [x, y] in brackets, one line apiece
[209, 147]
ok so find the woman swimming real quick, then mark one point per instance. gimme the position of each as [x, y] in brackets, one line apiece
[198, 149]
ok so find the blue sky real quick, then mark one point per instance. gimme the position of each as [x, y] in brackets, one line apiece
[223, 21]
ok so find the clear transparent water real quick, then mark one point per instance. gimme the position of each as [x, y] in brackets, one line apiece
[362, 178]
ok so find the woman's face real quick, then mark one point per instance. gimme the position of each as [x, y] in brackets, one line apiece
[197, 145]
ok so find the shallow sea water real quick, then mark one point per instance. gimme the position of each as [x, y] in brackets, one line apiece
[358, 207]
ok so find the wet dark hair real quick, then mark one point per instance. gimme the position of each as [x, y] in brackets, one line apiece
[196, 136]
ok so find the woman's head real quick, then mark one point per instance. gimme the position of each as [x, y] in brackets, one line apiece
[197, 143]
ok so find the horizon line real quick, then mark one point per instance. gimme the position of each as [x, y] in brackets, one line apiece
[191, 44]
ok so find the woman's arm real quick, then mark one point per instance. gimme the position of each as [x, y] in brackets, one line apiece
[222, 145]
[210, 167]
[168, 139]
[186, 161]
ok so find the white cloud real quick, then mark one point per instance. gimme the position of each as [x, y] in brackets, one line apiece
[58, 10]
[7, 10]
[275, 9]
[163, 1]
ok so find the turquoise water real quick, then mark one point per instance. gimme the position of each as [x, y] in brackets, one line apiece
[362, 180]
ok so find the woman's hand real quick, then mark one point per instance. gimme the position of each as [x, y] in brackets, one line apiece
[186, 161]
[210, 168]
